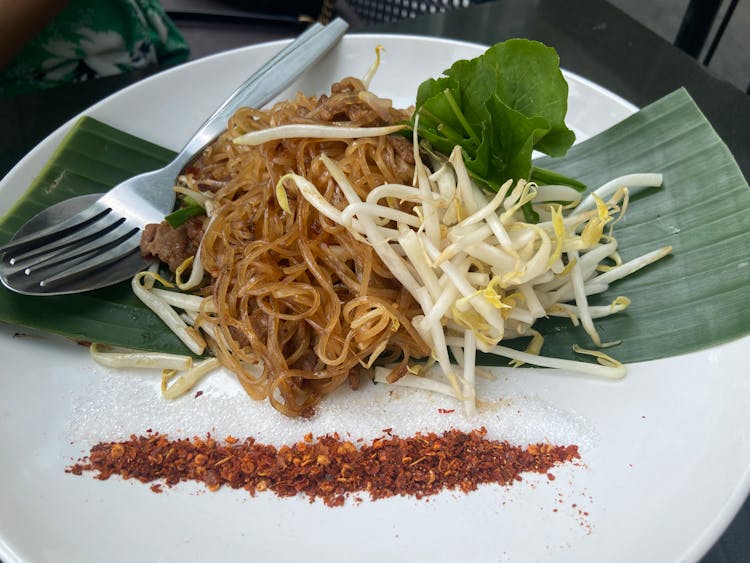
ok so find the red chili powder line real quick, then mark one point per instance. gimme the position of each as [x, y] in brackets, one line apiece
[328, 468]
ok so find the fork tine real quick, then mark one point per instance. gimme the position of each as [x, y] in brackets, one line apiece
[118, 235]
[111, 256]
[99, 227]
[41, 237]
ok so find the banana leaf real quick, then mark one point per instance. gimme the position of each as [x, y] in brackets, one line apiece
[697, 297]
[694, 299]
[92, 158]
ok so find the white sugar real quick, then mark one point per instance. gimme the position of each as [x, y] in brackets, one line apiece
[117, 403]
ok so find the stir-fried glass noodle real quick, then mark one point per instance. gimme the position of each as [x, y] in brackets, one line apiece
[297, 302]
[328, 248]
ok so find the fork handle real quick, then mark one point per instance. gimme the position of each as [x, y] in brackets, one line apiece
[265, 84]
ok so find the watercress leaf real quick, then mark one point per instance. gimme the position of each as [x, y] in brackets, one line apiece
[526, 76]
[499, 107]
[479, 161]
[434, 107]
[438, 142]
[507, 145]
[542, 176]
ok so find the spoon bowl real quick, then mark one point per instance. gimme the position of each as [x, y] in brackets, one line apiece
[18, 281]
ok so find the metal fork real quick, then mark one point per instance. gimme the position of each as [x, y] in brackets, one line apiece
[68, 256]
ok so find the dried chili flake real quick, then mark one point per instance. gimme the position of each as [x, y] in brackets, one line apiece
[327, 468]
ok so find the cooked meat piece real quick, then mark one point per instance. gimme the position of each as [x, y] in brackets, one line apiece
[308, 362]
[337, 109]
[194, 228]
[172, 246]
[239, 336]
[212, 185]
[402, 147]
[259, 322]
[354, 378]
[345, 108]
[362, 113]
[348, 84]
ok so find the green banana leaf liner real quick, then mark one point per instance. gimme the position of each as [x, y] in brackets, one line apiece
[694, 299]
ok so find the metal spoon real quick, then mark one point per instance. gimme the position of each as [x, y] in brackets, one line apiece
[73, 247]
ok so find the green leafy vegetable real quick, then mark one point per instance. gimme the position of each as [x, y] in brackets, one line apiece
[177, 218]
[499, 107]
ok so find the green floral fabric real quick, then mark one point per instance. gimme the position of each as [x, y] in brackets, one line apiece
[93, 38]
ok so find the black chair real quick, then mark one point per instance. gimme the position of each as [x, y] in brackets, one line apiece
[696, 26]
[381, 11]
[692, 37]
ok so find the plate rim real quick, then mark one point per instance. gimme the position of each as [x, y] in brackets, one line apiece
[68, 124]
[739, 493]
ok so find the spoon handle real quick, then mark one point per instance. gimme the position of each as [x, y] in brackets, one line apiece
[265, 84]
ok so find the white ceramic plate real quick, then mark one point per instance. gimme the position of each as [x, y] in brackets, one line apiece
[665, 452]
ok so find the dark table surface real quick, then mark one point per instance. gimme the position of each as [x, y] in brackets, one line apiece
[593, 38]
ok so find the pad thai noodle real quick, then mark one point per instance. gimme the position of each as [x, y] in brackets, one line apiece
[321, 239]
[300, 303]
